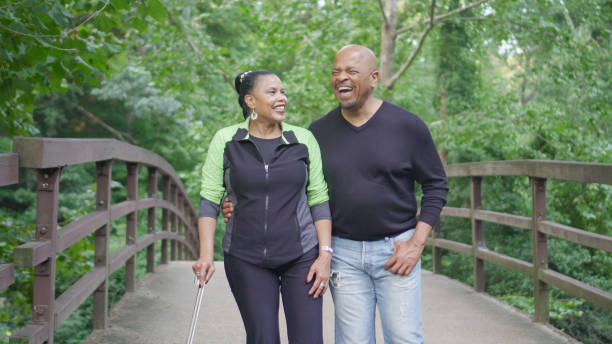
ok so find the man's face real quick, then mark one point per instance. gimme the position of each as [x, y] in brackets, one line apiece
[352, 79]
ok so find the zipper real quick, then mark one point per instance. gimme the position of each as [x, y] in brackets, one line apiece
[267, 201]
[266, 167]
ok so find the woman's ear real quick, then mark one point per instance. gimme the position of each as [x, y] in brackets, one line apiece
[249, 101]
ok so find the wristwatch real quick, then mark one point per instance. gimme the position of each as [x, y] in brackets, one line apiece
[326, 248]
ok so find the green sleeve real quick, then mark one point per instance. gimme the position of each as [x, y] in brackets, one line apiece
[211, 186]
[317, 188]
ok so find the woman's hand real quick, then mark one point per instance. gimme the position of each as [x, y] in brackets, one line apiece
[319, 269]
[204, 268]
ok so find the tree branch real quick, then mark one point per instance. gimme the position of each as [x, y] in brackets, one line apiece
[436, 19]
[473, 19]
[180, 27]
[416, 51]
[53, 46]
[383, 13]
[122, 136]
[27, 34]
[93, 15]
[64, 32]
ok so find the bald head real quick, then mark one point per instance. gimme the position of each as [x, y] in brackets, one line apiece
[363, 54]
[354, 77]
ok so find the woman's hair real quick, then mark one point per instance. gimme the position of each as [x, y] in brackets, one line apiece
[244, 84]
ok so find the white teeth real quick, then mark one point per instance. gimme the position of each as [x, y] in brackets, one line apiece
[344, 88]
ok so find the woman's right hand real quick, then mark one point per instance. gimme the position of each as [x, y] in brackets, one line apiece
[205, 267]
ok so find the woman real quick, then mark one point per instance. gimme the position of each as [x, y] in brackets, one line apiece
[280, 234]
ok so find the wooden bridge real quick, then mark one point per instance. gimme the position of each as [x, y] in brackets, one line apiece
[179, 241]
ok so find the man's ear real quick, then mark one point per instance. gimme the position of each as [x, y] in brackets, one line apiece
[374, 78]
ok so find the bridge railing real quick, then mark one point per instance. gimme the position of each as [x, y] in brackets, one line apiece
[48, 157]
[538, 172]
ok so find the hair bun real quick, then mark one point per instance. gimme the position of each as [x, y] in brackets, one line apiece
[240, 80]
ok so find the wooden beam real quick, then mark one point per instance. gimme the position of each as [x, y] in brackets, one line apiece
[7, 275]
[74, 296]
[578, 236]
[506, 262]
[579, 289]
[584, 172]
[36, 152]
[9, 169]
[503, 219]
[31, 334]
[32, 253]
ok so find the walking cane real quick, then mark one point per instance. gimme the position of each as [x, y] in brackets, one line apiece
[196, 310]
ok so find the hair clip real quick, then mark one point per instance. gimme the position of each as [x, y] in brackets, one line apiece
[243, 75]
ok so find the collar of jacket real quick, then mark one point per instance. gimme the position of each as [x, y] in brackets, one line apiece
[243, 133]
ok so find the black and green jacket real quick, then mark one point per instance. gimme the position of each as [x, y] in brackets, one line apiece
[272, 222]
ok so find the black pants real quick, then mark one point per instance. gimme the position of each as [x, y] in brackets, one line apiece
[256, 290]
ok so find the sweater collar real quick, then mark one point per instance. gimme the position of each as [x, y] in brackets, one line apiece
[243, 133]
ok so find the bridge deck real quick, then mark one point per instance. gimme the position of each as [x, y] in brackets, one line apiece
[160, 312]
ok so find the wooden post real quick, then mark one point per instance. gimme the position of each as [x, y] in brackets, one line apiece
[131, 228]
[540, 249]
[165, 218]
[195, 240]
[152, 193]
[477, 233]
[437, 251]
[43, 299]
[179, 224]
[173, 220]
[103, 199]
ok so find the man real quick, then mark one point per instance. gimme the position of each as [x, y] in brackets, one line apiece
[373, 152]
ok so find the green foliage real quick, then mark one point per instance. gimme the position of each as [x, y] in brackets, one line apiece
[525, 79]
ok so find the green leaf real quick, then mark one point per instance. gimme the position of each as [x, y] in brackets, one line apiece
[58, 14]
[81, 61]
[120, 4]
[118, 62]
[157, 10]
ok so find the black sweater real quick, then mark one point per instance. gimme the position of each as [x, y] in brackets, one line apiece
[371, 170]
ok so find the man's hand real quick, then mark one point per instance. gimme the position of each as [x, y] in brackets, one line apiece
[227, 208]
[408, 253]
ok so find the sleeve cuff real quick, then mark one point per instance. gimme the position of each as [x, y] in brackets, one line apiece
[429, 218]
[320, 211]
[208, 209]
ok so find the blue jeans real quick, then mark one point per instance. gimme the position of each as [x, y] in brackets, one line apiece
[359, 282]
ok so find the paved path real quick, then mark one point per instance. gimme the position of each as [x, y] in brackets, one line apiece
[160, 311]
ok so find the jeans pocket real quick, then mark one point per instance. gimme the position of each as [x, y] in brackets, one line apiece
[334, 279]
[405, 236]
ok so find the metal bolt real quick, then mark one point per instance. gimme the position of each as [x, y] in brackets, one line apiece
[101, 202]
[43, 230]
[45, 185]
[46, 176]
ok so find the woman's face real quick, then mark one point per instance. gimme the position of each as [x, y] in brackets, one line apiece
[268, 98]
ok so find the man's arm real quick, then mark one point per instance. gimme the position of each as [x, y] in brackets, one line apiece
[429, 172]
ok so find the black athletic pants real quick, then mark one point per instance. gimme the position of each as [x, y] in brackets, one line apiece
[256, 290]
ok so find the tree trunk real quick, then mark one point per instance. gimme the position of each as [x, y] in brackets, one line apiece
[387, 46]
